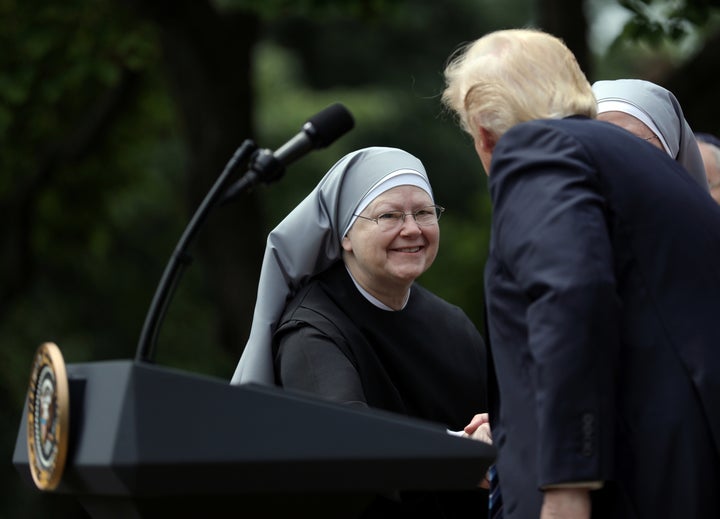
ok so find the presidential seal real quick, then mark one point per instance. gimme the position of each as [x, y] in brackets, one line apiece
[48, 417]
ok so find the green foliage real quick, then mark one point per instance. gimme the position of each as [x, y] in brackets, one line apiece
[56, 56]
[81, 207]
[321, 10]
[86, 154]
[655, 21]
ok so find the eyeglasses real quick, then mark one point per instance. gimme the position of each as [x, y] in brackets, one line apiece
[424, 217]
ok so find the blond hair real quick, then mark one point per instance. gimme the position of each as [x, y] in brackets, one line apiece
[512, 76]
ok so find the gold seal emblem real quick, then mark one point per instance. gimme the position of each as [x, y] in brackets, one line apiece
[48, 417]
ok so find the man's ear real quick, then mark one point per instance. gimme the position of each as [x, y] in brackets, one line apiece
[484, 145]
[485, 140]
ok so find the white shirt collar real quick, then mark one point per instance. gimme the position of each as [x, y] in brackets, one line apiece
[374, 300]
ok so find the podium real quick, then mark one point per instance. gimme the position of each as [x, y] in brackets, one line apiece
[151, 441]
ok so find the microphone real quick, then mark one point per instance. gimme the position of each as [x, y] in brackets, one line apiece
[321, 130]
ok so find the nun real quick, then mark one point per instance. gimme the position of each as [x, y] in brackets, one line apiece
[339, 314]
[652, 113]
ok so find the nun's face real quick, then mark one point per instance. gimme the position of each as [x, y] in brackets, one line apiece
[386, 262]
[633, 125]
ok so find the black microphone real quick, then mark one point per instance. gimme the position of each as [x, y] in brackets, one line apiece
[319, 131]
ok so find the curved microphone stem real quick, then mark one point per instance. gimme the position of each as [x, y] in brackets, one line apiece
[180, 259]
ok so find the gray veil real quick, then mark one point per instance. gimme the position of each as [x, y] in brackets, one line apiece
[307, 242]
[650, 102]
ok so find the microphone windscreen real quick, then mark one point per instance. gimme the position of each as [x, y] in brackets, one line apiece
[326, 126]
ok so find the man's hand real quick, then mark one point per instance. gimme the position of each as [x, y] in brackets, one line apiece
[479, 428]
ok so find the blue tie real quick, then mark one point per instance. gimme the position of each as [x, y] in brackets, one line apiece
[495, 503]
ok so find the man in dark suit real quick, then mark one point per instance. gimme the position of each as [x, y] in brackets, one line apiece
[603, 296]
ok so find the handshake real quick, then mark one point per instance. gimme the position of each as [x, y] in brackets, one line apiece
[477, 429]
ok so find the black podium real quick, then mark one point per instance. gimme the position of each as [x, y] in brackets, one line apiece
[150, 441]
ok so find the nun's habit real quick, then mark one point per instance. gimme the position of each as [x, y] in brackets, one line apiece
[660, 111]
[308, 241]
[426, 360]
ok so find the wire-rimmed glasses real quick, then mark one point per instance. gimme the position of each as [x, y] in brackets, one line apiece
[390, 220]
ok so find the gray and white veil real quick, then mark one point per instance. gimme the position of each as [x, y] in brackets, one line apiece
[660, 110]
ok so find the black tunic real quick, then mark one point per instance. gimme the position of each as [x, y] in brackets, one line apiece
[425, 361]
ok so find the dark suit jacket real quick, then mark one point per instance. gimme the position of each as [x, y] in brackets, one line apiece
[603, 293]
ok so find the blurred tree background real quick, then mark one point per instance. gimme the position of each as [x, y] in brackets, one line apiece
[117, 116]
